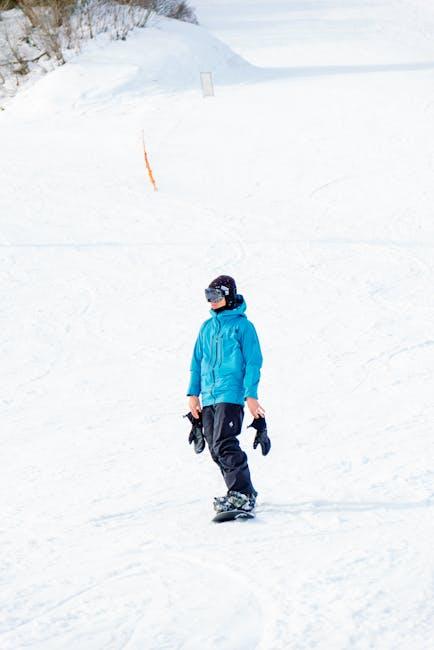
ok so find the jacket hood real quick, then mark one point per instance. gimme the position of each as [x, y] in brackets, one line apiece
[239, 310]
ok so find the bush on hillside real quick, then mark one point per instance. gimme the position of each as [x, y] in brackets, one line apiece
[39, 33]
[178, 9]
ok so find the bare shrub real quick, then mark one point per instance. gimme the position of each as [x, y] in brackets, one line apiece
[18, 62]
[5, 5]
[182, 11]
[47, 29]
[178, 9]
[92, 17]
[18, 56]
[46, 21]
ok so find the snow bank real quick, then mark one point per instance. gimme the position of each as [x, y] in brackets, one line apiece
[167, 56]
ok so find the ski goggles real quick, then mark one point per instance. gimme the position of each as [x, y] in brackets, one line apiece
[214, 295]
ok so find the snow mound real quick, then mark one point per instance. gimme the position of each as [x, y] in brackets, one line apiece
[167, 56]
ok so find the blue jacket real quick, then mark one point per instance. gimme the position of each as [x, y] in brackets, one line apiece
[227, 358]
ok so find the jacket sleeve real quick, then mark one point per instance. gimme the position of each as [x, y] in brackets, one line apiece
[253, 360]
[194, 385]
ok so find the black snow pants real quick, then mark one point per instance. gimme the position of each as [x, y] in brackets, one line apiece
[221, 426]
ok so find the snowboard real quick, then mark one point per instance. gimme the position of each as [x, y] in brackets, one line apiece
[232, 515]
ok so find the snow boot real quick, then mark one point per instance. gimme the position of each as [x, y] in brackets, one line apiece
[221, 504]
[240, 501]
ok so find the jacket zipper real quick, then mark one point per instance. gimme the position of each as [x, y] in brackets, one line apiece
[215, 359]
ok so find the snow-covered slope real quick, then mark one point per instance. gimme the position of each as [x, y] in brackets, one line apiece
[309, 178]
[167, 56]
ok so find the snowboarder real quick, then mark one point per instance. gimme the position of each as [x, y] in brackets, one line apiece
[225, 372]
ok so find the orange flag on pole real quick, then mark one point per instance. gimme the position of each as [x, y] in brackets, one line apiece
[147, 164]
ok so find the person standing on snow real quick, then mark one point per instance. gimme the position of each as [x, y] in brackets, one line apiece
[225, 372]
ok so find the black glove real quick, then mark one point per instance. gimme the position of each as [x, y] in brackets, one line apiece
[261, 437]
[196, 433]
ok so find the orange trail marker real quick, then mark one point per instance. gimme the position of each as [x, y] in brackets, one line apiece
[148, 166]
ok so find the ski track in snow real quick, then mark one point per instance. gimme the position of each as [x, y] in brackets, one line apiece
[309, 178]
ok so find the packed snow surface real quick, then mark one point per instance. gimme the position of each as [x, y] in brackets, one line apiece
[309, 178]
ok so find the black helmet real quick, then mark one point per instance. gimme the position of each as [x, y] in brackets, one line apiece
[225, 288]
